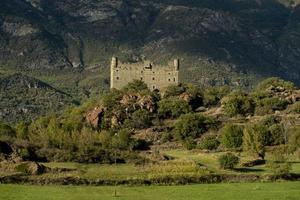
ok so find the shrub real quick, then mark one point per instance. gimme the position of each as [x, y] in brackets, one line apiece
[190, 126]
[278, 168]
[238, 103]
[228, 161]
[253, 139]
[22, 130]
[172, 108]
[140, 119]
[135, 86]
[189, 143]
[232, 136]
[295, 108]
[174, 91]
[209, 142]
[213, 95]
[6, 132]
[269, 105]
[275, 82]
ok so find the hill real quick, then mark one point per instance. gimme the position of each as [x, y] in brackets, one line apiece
[24, 98]
[69, 43]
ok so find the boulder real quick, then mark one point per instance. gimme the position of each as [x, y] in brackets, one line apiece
[95, 116]
[31, 168]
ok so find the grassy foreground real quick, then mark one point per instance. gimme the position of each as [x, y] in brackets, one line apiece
[253, 191]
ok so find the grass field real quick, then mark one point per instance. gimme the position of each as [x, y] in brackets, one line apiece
[244, 191]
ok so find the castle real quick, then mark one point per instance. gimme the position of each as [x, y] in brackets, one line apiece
[155, 76]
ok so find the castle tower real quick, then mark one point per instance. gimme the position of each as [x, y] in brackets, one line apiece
[176, 64]
[113, 65]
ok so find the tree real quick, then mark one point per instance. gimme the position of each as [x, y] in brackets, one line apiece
[190, 126]
[232, 136]
[135, 86]
[253, 139]
[213, 95]
[238, 103]
[140, 119]
[172, 108]
[209, 142]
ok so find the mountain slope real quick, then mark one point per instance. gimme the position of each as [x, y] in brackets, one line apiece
[69, 43]
[24, 98]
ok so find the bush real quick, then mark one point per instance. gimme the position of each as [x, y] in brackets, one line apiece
[6, 132]
[213, 95]
[279, 169]
[295, 108]
[172, 108]
[209, 142]
[135, 86]
[22, 130]
[190, 126]
[228, 161]
[275, 82]
[140, 119]
[174, 91]
[189, 143]
[253, 139]
[238, 103]
[269, 105]
[232, 136]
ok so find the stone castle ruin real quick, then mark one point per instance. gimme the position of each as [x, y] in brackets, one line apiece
[155, 76]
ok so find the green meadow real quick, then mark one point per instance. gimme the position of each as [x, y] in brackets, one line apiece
[243, 191]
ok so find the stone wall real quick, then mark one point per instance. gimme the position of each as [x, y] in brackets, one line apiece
[155, 76]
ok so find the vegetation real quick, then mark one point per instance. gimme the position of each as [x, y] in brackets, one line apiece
[238, 103]
[247, 191]
[232, 136]
[121, 125]
[228, 161]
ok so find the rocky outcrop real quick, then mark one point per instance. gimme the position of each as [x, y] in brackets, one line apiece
[30, 168]
[95, 116]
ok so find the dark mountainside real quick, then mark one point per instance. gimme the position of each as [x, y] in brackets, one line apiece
[68, 43]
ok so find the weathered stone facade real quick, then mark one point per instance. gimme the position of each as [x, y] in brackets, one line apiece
[155, 76]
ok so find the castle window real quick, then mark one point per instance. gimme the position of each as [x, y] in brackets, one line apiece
[118, 78]
[141, 78]
[174, 79]
[153, 72]
[169, 80]
[142, 72]
[153, 87]
[153, 78]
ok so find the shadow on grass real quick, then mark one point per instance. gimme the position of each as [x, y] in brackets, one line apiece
[247, 170]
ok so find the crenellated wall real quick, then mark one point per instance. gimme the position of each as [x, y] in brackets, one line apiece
[155, 76]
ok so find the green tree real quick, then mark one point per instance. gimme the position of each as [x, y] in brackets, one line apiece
[209, 142]
[238, 103]
[140, 119]
[172, 108]
[232, 136]
[253, 139]
[190, 126]
[135, 86]
[213, 95]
